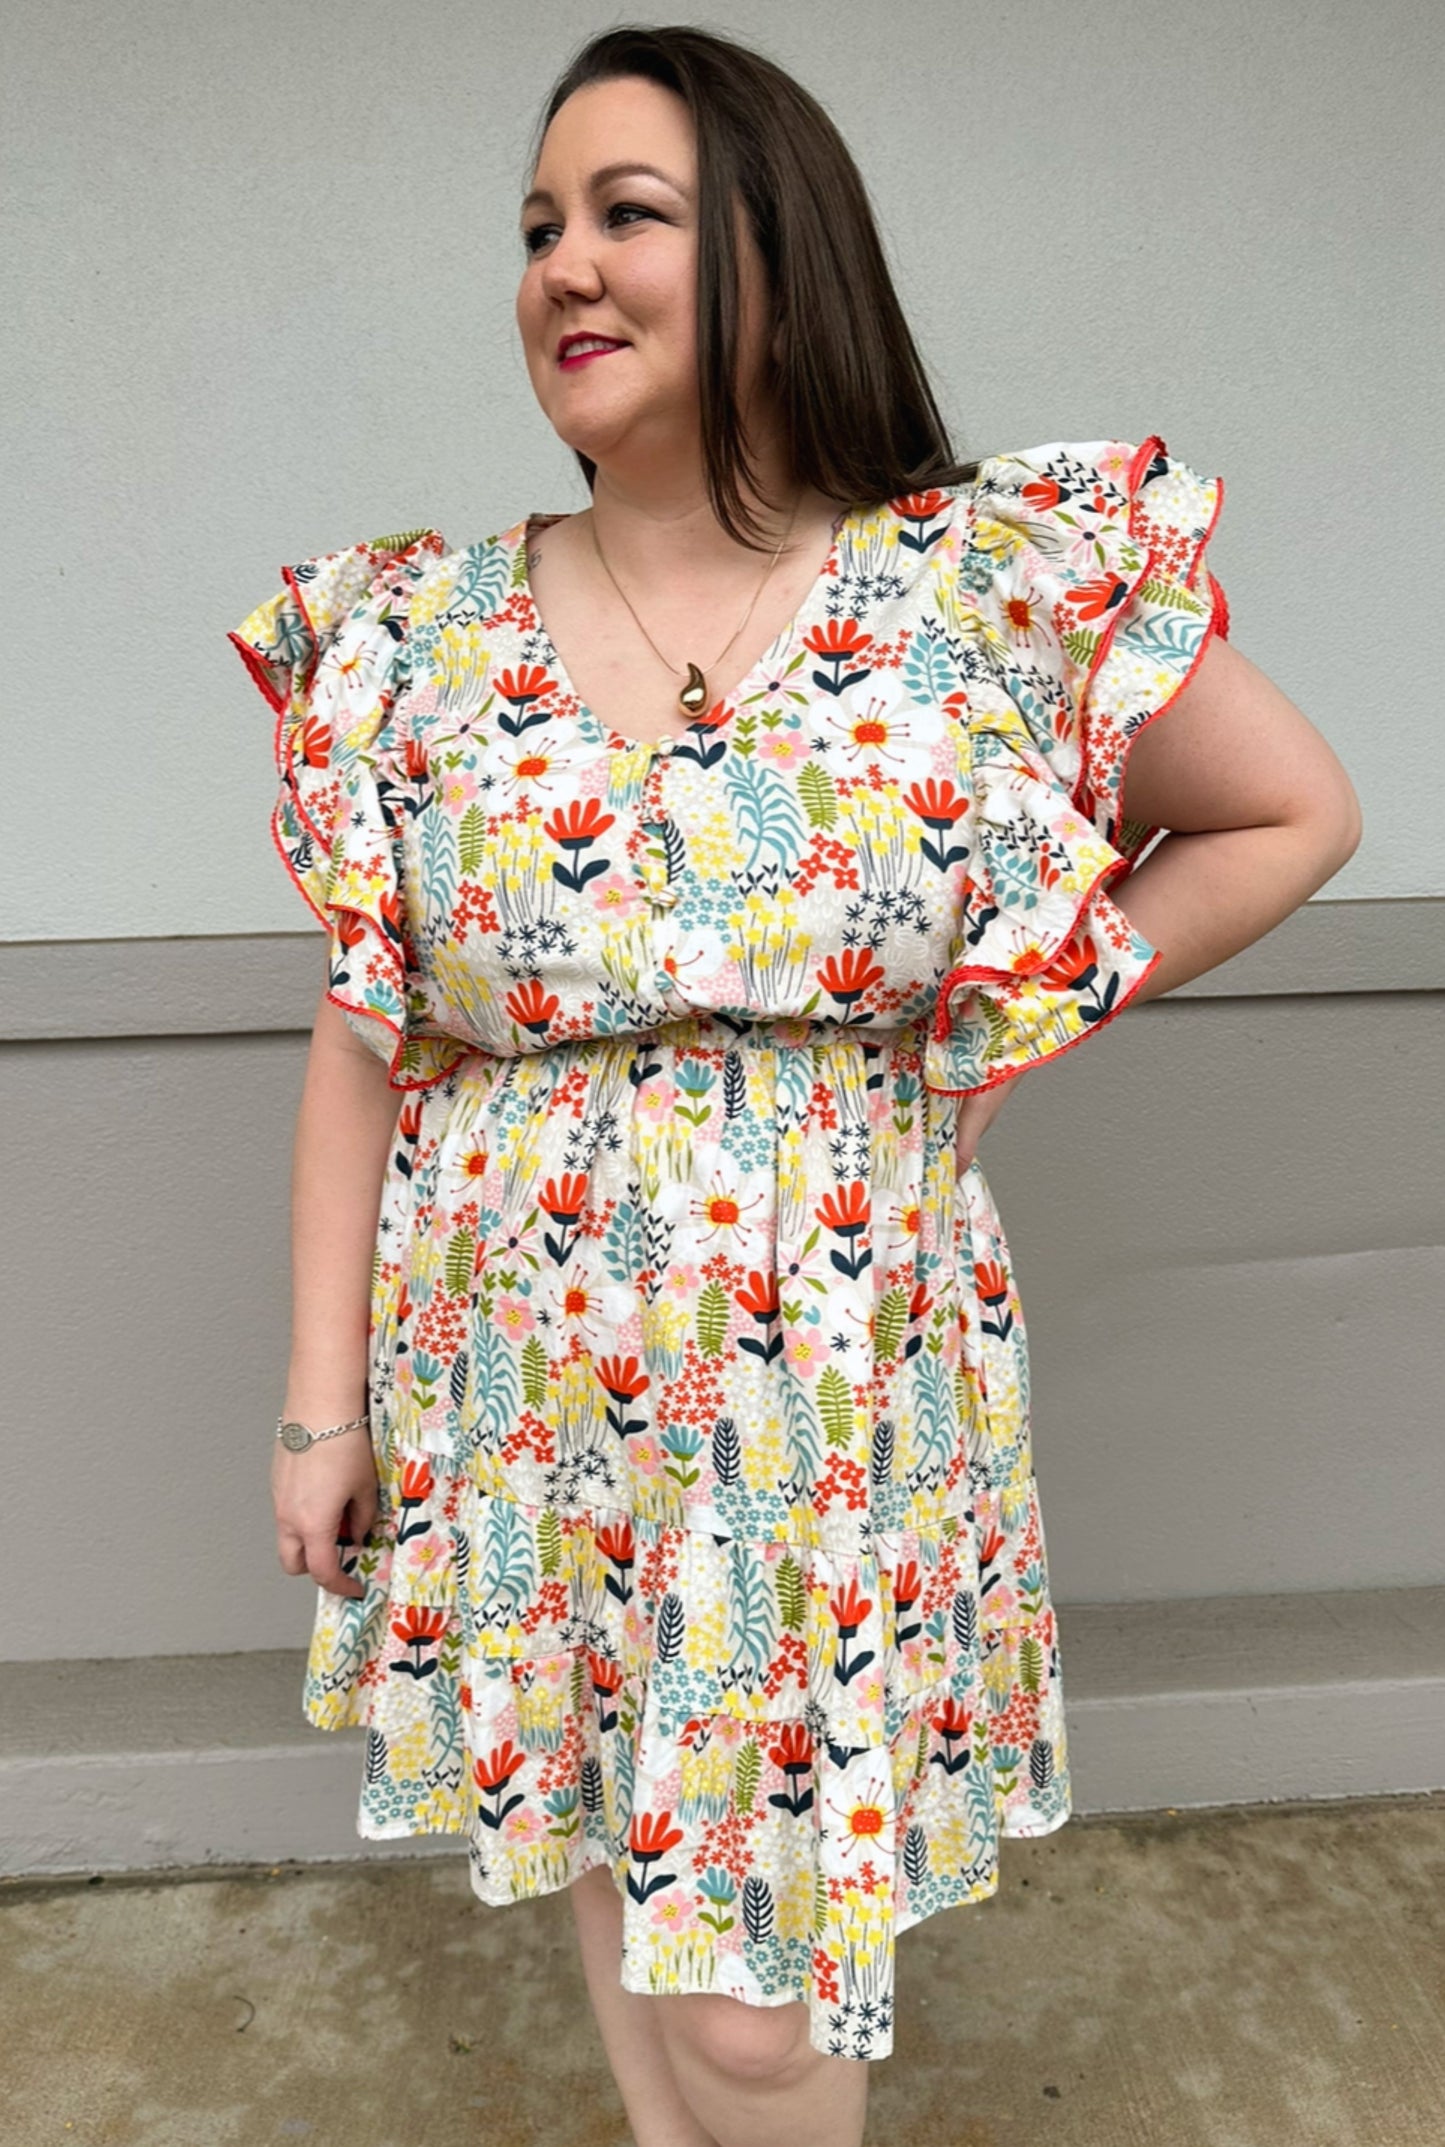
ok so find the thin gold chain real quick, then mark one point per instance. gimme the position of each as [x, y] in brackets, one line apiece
[693, 696]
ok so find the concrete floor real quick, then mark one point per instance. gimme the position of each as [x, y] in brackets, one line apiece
[1246, 1976]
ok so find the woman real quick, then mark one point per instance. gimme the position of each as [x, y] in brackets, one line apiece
[704, 868]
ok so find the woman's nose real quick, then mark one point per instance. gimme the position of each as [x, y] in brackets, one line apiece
[569, 265]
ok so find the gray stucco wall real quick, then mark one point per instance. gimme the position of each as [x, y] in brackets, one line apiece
[259, 305]
[1225, 1218]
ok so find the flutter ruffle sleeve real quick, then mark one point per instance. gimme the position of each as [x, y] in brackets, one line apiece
[1082, 605]
[329, 653]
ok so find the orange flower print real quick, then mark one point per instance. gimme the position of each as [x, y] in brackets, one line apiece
[841, 643]
[650, 1839]
[532, 1007]
[522, 685]
[419, 1627]
[1095, 599]
[847, 1212]
[847, 976]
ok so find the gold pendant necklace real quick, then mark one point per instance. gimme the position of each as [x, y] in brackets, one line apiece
[693, 697]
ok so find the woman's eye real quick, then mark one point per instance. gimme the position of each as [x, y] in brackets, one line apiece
[532, 238]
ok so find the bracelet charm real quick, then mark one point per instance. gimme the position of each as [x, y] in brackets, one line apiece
[296, 1437]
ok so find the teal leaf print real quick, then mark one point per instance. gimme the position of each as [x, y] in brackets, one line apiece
[802, 1428]
[438, 836]
[495, 1381]
[753, 1610]
[481, 585]
[766, 817]
[1170, 641]
[928, 670]
[622, 1243]
[935, 1420]
[505, 1546]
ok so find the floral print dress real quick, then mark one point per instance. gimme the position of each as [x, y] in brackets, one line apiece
[710, 1545]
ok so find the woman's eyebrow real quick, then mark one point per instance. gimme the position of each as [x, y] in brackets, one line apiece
[600, 178]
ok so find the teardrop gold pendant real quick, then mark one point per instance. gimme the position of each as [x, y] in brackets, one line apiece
[693, 696]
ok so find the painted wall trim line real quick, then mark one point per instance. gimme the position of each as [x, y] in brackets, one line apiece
[257, 983]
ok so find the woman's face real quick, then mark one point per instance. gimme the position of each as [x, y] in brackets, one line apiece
[618, 258]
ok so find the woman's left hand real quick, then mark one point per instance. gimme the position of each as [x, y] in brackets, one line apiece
[976, 1112]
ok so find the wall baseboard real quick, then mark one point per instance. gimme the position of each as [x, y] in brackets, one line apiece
[262, 982]
[156, 1762]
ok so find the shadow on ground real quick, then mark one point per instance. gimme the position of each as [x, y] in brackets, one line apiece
[1252, 1976]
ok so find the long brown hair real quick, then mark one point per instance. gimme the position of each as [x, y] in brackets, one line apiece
[850, 387]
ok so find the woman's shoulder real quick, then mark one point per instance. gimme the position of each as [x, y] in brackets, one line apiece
[1059, 494]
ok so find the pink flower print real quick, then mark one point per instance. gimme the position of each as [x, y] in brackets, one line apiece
[656, 1100]
[1115, 461]
[805, 1349]
[456, 788]
[683, 1280]
[514, 1316]
[617, 894]
[783, 749]
[675, 1910]
[645, 1454]
[523, 1826]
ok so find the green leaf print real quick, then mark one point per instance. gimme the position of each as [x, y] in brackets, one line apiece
[549, 1542]
[471, 838]
[835, 1406]
[1172, 594]
[534, 1373]
[792, 1597]
[746, 1775]
[461, 1252]
[820, 799]
[997, 1022]
[766, 818]
[889, 1322]
[712, 1319]
[1031, 1663]
[1081, 645]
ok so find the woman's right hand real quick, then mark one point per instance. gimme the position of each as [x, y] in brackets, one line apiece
[314, 1494]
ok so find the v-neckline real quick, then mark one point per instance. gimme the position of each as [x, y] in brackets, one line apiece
[778, 651]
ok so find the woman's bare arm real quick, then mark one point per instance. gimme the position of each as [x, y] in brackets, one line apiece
[1260, 810]
[1260, 813]
[344, 1129]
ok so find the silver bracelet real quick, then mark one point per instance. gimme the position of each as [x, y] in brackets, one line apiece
[296, 1437]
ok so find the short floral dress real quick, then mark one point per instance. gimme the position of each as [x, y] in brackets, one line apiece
[709, 1545]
